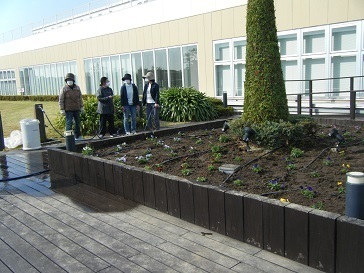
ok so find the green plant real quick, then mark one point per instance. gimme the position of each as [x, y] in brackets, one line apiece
[345, 168]
[314, 174]
[198, 141]
[211, 167]
[296, 153]
[219, 106]
[186, 104]
[87, 150]
[224, 139]
[217, 157]
[238, 182]
[275, 185]
[238, 158]
[291, 166]
[256, 168]
[201, 179]
[185, 165]
[186, 172]
[265, 94]
[148, 168]
[216, 149]
[340, 188]
[308, 192]
[327, 161]
[318, 205]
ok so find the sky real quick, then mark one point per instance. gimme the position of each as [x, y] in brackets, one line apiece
[18, 13]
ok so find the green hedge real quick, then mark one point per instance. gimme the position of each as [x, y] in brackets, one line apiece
[219, 105]
[36, 98]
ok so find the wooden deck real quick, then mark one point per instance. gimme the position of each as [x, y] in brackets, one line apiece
[49, 226]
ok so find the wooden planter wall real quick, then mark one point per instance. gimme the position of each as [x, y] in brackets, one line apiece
[320, 239]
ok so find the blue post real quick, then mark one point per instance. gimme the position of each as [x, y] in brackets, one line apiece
[355, 195]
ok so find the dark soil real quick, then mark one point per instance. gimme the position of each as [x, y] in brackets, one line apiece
[318, 171]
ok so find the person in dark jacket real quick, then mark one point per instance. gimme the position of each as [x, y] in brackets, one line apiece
[71, 104]
[129, 103]
[105, 107]
[151, 100]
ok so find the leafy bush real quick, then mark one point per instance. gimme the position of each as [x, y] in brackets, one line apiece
[274, 134]
[222, 111]
[186, 104]
[35, 97]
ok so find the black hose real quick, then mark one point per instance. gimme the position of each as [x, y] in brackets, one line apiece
[277, 192]
[23, 176]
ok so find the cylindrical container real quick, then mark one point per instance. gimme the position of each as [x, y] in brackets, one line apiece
[70, 141]
[355, 195]
[224, 99]
[30, 134]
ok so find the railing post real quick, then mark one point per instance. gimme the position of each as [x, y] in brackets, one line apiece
[38, 110]
[299, 104]
[224, 99]
[310, 104]
[352, 99]
[2, 145]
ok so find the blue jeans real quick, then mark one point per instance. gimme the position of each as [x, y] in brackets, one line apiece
[130, 110]
[154, 115]
[70, 116]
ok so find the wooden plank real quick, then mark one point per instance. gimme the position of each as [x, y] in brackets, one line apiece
[217, 209]
[149, 193]
[77, 162]
[92, 168]
[128, 182]
[85, 170]
[201, 205]
[186, 201]
[173, 196]
[322, 236]
[109, 177]
[160, 193]
[253, 220]
[350, 245]
[118, 179]
[296, 233]
[234, 207]
[138, 186]
[273, 226]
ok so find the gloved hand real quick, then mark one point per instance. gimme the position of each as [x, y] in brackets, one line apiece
[82, 110]
[63, 112]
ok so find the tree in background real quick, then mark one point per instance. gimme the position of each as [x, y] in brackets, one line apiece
[265, 94]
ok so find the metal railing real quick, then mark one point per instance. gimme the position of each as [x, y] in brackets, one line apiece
[343, 106]
[67, 17]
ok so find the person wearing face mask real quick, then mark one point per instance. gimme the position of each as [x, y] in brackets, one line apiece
[105, 107]
[151, 100]
[71, 104]
[129, 103]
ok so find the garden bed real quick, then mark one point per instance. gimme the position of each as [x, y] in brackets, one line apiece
[315, 178]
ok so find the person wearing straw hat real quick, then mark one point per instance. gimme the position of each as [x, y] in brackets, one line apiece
[129, 103]
[151, 100]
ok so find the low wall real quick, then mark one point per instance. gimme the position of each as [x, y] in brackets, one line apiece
[320, 239]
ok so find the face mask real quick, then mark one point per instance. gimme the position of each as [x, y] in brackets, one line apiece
[146, 80]
[127, 81]
[69, 83]
[108, 83]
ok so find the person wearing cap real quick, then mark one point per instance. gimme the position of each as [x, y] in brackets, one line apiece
[151, 100]
[71, 104]
[129, 103]
[105, 107]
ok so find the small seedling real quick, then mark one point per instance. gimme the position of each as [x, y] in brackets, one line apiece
[296, 153]
[177, 139]
[319, 205]
[121, 159]
[87, 150]
[211, 168]
[291, 166]
[201, 179]
[147, 151]
[185, 165]
[186, 172]
[275, 185]
[238, 158]
[141, 160]
[327, 161]
[238, 182]
[216, 149]
[224, 139]
[314, 174]
[217, 157]
[340, 188]
[199, 141]
[256, 168]
[308, 192]
[148, 168]
[345, 168]
[159, 167]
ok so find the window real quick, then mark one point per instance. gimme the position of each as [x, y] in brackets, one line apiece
[115, 74]
[288, 44]
[148, 62]
[291, 72]
[125, 64]
[105, 62]
[7, 82]
[342, 67]
[314, 42]
[239, 50]
[223, 80]
[222, 52]
[315, 69]
[88, 76]
[161, 67]
[97, 73]
[239, 79]
[190, 66]
[136, 63]
[175, 66]
[344, 38]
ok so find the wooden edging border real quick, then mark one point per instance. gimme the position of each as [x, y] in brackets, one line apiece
[320, 239]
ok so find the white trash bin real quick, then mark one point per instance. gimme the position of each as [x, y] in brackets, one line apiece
[30, 134]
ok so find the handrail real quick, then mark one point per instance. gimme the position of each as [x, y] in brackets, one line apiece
[324, 79]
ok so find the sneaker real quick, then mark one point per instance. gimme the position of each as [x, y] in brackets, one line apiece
[133, 132]
[113, 135]
[101, 136]
[78, 138]
[127, 133]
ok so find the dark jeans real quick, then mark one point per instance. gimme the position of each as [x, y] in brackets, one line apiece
[154, 115]
[130, 110]
[106, 118]
[70, 116]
